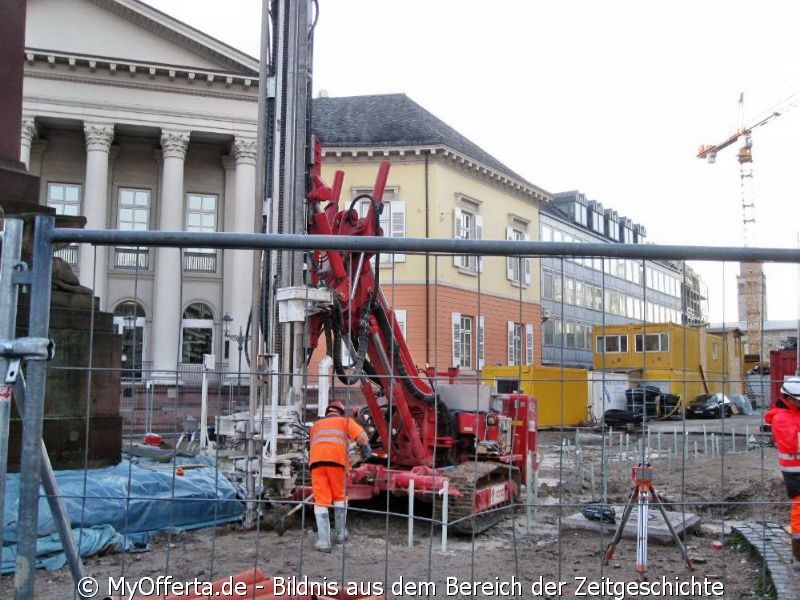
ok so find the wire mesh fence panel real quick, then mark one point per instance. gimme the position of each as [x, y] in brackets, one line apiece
[545, 420]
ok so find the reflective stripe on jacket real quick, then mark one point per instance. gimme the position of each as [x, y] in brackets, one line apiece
[785, 424]
[330, 436]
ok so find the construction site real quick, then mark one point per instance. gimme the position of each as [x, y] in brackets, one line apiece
[543, 412]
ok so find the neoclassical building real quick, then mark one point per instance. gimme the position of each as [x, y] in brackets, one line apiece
[139, 122]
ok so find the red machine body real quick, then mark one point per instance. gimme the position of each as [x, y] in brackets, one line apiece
[481, 447]
[782, 364]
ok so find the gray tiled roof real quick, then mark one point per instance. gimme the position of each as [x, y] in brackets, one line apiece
[392, 120]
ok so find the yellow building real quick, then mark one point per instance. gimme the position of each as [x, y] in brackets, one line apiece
[460, 311]
[681, 360]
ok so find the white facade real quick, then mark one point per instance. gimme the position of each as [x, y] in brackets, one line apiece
[137, 121]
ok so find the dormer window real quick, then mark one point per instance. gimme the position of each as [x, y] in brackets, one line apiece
[628, 231]
[612, 225]
[580, 214]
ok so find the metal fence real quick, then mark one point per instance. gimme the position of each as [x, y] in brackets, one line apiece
[155, 427]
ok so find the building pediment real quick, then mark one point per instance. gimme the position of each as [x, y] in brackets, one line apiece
[129, 31]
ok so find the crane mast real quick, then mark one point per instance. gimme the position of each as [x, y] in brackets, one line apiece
[751, 275]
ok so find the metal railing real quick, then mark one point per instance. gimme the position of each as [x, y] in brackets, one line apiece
[200, 262]
[131, 258]
[69, 255]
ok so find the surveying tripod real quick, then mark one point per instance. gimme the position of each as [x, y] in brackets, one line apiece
[645, 494]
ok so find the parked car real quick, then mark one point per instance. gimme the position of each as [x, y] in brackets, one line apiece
[709, 405]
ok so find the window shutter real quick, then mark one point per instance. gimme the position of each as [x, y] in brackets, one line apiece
[480, 343]
[397, 224]
[479, 236]
[529, 344]
[510, 259]
[456, 339]
[526, 264]
[511, 343]
[400, 317]
[457, 233]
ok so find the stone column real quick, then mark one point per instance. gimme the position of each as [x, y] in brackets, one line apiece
[241, 276]
[167, 297]
[227, 224]
[29, 132]
[94, 274]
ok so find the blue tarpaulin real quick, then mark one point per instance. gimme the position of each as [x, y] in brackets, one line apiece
[111, 508]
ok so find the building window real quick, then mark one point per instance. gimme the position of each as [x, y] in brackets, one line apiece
[201, 216]
[468, 225]
[518, 269]
[612, 343]
[133, 214]
[569, 290]
[597, 222]
[551, 333]
[392, 219]
[551, 286]
[129, 322]
[197, 329]
[514, 343]
[581, 215]
[628, 233]
[65, 198]
[652, 342]
[468, 344]
[612, 227]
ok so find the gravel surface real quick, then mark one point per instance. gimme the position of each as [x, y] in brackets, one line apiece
[511, 559]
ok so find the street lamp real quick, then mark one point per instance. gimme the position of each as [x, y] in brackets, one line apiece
[240, 340]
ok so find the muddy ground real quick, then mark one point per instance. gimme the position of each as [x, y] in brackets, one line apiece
[722, 489]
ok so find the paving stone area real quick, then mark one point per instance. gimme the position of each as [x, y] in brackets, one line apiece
[773, 543]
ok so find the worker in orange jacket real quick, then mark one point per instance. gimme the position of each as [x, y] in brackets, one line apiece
[330, 437]
[784, 417]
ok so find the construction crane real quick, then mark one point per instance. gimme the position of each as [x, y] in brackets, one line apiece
[751, 275]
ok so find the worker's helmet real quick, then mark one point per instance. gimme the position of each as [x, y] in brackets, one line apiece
[335, 407]
[791, 388]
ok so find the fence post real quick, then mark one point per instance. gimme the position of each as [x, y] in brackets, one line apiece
[30, 461]
[12, 246]
[411, 513]
[445, 498]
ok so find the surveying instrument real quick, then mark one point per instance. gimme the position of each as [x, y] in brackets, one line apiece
[643, 494]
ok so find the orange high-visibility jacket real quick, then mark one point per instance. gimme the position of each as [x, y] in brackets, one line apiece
[785, 424]
[330, 436]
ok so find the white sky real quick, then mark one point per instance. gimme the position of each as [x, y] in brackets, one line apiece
[612, 98]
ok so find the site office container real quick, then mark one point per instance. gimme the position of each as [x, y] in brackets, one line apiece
[562, 394]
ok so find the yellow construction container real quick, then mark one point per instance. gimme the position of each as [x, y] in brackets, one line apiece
[562, 394]
[684, 361]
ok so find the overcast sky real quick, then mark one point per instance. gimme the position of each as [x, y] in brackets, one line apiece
[611, 98]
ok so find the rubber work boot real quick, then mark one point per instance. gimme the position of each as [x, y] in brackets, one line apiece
[323, 544]
[796, 554]
[340, 516]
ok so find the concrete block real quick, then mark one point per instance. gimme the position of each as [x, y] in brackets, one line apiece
[656, 526]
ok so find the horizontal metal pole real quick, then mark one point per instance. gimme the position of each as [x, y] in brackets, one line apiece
[271, 241]
[28, 348]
